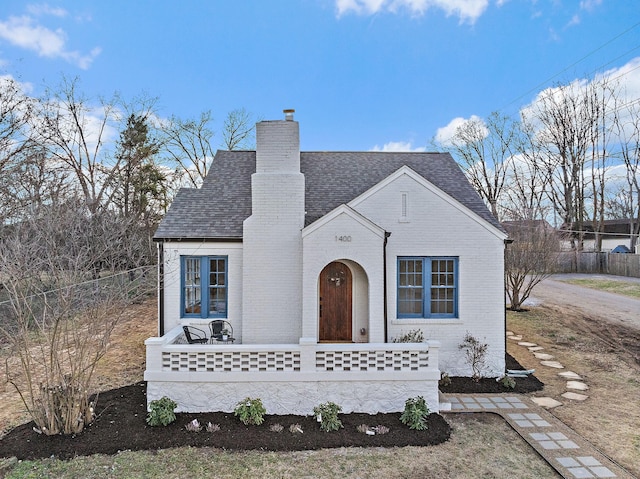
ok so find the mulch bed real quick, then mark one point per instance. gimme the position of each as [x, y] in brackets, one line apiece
[121, 425]
[488, 385]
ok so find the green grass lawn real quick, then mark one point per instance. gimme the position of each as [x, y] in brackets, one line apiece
[612, 286]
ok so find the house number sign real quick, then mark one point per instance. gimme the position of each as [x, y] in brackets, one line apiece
[343, 238]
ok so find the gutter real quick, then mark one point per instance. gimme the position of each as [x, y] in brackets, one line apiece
[232, 239]
[507, 242]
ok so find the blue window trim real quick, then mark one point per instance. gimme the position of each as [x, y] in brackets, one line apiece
[426, 287]
[204, 287]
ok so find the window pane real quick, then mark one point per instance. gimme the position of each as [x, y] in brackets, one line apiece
[217, 287]
[410, 287]
[192, 291]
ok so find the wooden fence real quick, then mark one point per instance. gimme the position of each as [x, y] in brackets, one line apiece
[600, 263]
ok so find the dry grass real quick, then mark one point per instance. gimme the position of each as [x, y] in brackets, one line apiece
[481, 446]
[610, 418]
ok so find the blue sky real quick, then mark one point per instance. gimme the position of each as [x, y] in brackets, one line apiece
[361, 74]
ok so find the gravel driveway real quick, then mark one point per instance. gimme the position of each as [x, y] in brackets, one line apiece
[605, 306]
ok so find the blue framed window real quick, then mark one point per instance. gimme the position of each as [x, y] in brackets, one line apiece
[427, 287]
[204, 287]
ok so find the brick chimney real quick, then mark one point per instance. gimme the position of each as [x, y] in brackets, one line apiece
[272, 244]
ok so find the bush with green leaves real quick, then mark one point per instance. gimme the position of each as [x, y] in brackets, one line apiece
[415, 413]
[327, 415]
[508, 382]
[250, 411]
[161, 412]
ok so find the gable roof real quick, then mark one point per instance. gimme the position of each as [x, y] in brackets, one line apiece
[218, 208]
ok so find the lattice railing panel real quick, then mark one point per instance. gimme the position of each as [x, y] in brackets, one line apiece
[372, 360]
[231, 361]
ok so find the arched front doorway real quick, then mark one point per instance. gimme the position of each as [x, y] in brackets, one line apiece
[336, 308]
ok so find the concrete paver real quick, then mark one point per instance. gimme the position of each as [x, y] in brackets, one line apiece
[566, 451]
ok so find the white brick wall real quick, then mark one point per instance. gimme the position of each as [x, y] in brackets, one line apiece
[434, 227]
[361, 249]
[272, 276]
[173, 250]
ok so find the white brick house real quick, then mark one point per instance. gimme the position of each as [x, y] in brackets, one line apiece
[319, 260]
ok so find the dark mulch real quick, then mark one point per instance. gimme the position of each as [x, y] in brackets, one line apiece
[489, 385]
[121, 425]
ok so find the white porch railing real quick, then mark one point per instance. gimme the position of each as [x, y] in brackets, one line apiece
[269, 369]
[163, 355]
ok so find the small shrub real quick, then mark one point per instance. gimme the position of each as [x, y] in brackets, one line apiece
[380, 429]
[415, 413]
[507, 382]
[363, 428]
[445, 380]
[250, 411]
[212, 427]
[476, 354]
[193, 426]
[413, 336]
[161, 412]
[295, 429]
[327, 416]
[276, 428]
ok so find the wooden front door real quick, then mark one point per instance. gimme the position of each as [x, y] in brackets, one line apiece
[335, 303]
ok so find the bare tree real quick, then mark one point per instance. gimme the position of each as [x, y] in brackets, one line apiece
[239, 130]
[628, 130]
[187, 143]
[75, 134]
[530, 258]
[602, 97]
[485, 149]
[561, 120]
[57, 320]
[524, 195]
[15, 112]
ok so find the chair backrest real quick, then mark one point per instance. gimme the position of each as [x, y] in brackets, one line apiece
[194, 335]
[187, 334]
[217, 325]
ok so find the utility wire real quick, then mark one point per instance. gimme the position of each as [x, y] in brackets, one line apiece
[545, 82]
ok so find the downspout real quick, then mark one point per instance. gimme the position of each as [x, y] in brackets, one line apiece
[384, 283]
[507, 242]
[160, 288]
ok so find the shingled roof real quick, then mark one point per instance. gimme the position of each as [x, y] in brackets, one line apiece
[218, 208]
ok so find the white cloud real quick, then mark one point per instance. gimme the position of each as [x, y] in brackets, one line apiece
[446, 133]
[589, 5]
[23, 32]
[399, 146]
[466, 10]
[626, 78]
[45, 9]
[575, 20]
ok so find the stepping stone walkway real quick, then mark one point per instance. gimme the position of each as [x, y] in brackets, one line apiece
[544, 356]
[552, 364]
[577, 385]
[574, 380]
[546, 402]
[568, 453]
[569, 375]
[574, 396]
